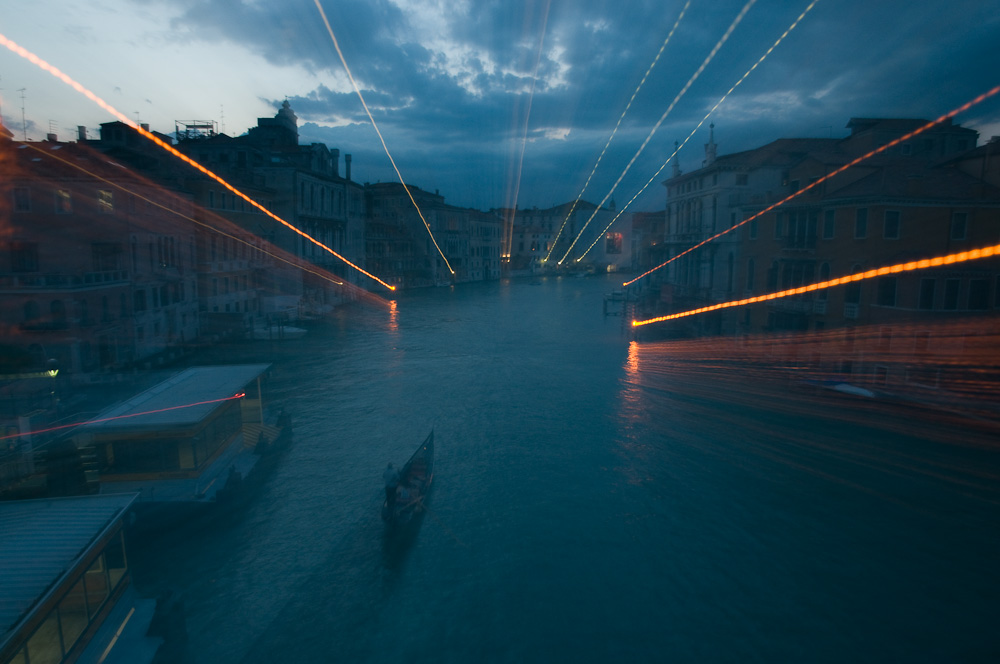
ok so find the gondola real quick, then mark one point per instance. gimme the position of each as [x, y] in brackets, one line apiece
[415, 479]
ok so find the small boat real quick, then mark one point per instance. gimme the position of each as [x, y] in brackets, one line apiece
[415, 480]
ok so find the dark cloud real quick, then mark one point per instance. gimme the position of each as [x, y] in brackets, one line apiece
[451, 98]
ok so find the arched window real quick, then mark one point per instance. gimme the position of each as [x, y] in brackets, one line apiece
[852, 294]
[824, 275]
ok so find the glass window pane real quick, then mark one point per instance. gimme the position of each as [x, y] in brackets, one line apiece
[73, 614]
[96, 580]
[114, 555]
[927, 293]
[829, 224]
[44, 646]
[951, 293]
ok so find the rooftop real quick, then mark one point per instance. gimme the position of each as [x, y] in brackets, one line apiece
[41, 540]
[181, 401]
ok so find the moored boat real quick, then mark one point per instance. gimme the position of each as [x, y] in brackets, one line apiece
[415, 479]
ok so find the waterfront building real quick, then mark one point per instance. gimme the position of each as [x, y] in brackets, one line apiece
[98, 268]
[903, 205]
[647, 239]
[705, 202]
[730, 188]
[550, 232]
[400, 249]
[67, 591]
[302, 185]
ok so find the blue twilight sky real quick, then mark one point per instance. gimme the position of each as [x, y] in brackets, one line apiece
[450, 82]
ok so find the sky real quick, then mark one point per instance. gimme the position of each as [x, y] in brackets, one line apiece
[497, 103]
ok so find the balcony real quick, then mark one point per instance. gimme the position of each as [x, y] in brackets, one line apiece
[803, 243]
[851, 310]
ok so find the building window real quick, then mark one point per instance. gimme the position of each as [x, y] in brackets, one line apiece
[824, 275]
[22, 199]
[64, 202]
[772, 276]
[613, 243]
[778, 219]
[107, 256]
[887, 291]
[959, 221]
[852, 293]
[979, 294]
[890, 226]
[211, 199]
[927, 288]
[24, 257]
[106, 201]
[139, 301]
[861, 223]
[753, 229]
[750, 271]
[951, 293]
[829, 224]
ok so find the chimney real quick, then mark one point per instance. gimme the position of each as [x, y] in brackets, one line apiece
[145, 126]
[347, 166]
[81, 133]
[335, 155]
[51, 138]
[676, 167]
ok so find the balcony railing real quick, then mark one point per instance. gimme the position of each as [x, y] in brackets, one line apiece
[799, 305]
[799, 243]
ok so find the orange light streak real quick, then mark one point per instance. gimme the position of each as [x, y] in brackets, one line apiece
[45, 66]
[122, 417]
[854, 162]
[697, 127]
[694, 77]
[615, 130]
[385, 147]
[950, 259]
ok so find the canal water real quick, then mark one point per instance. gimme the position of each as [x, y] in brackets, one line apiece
[582, 511]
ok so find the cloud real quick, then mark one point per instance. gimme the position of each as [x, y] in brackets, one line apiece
[449, 81]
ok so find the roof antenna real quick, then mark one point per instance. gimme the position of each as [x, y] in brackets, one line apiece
[24, 125]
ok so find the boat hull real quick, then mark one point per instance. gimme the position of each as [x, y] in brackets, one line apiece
[417, 478]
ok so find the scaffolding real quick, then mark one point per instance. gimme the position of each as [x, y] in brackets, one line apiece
[195, 129]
